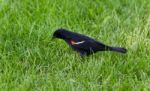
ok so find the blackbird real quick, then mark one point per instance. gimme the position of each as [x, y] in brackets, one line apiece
[84, 44]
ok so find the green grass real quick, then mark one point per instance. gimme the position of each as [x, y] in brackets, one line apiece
[29, 60]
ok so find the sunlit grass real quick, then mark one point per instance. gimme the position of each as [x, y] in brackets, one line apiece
[29, 60]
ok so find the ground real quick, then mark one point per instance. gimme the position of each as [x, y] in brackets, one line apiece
[30, 60]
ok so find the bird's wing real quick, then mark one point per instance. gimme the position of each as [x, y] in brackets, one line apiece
[86, 45]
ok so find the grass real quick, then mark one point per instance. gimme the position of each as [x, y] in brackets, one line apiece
[29, 60]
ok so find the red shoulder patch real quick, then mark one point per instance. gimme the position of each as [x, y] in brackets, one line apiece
[72, 42]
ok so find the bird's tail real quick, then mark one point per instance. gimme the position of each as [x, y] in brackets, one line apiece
[118, 49]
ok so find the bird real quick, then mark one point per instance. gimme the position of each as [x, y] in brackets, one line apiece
[83, 44]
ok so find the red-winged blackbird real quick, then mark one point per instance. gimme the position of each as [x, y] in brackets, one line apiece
[84, 44]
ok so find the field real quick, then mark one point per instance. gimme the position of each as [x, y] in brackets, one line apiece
[31, 61]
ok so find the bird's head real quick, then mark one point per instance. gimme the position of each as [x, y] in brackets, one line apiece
[61, 34]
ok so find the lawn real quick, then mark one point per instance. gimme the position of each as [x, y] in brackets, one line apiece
[30, 61]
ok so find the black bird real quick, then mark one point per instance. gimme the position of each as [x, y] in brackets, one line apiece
[84, 44]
